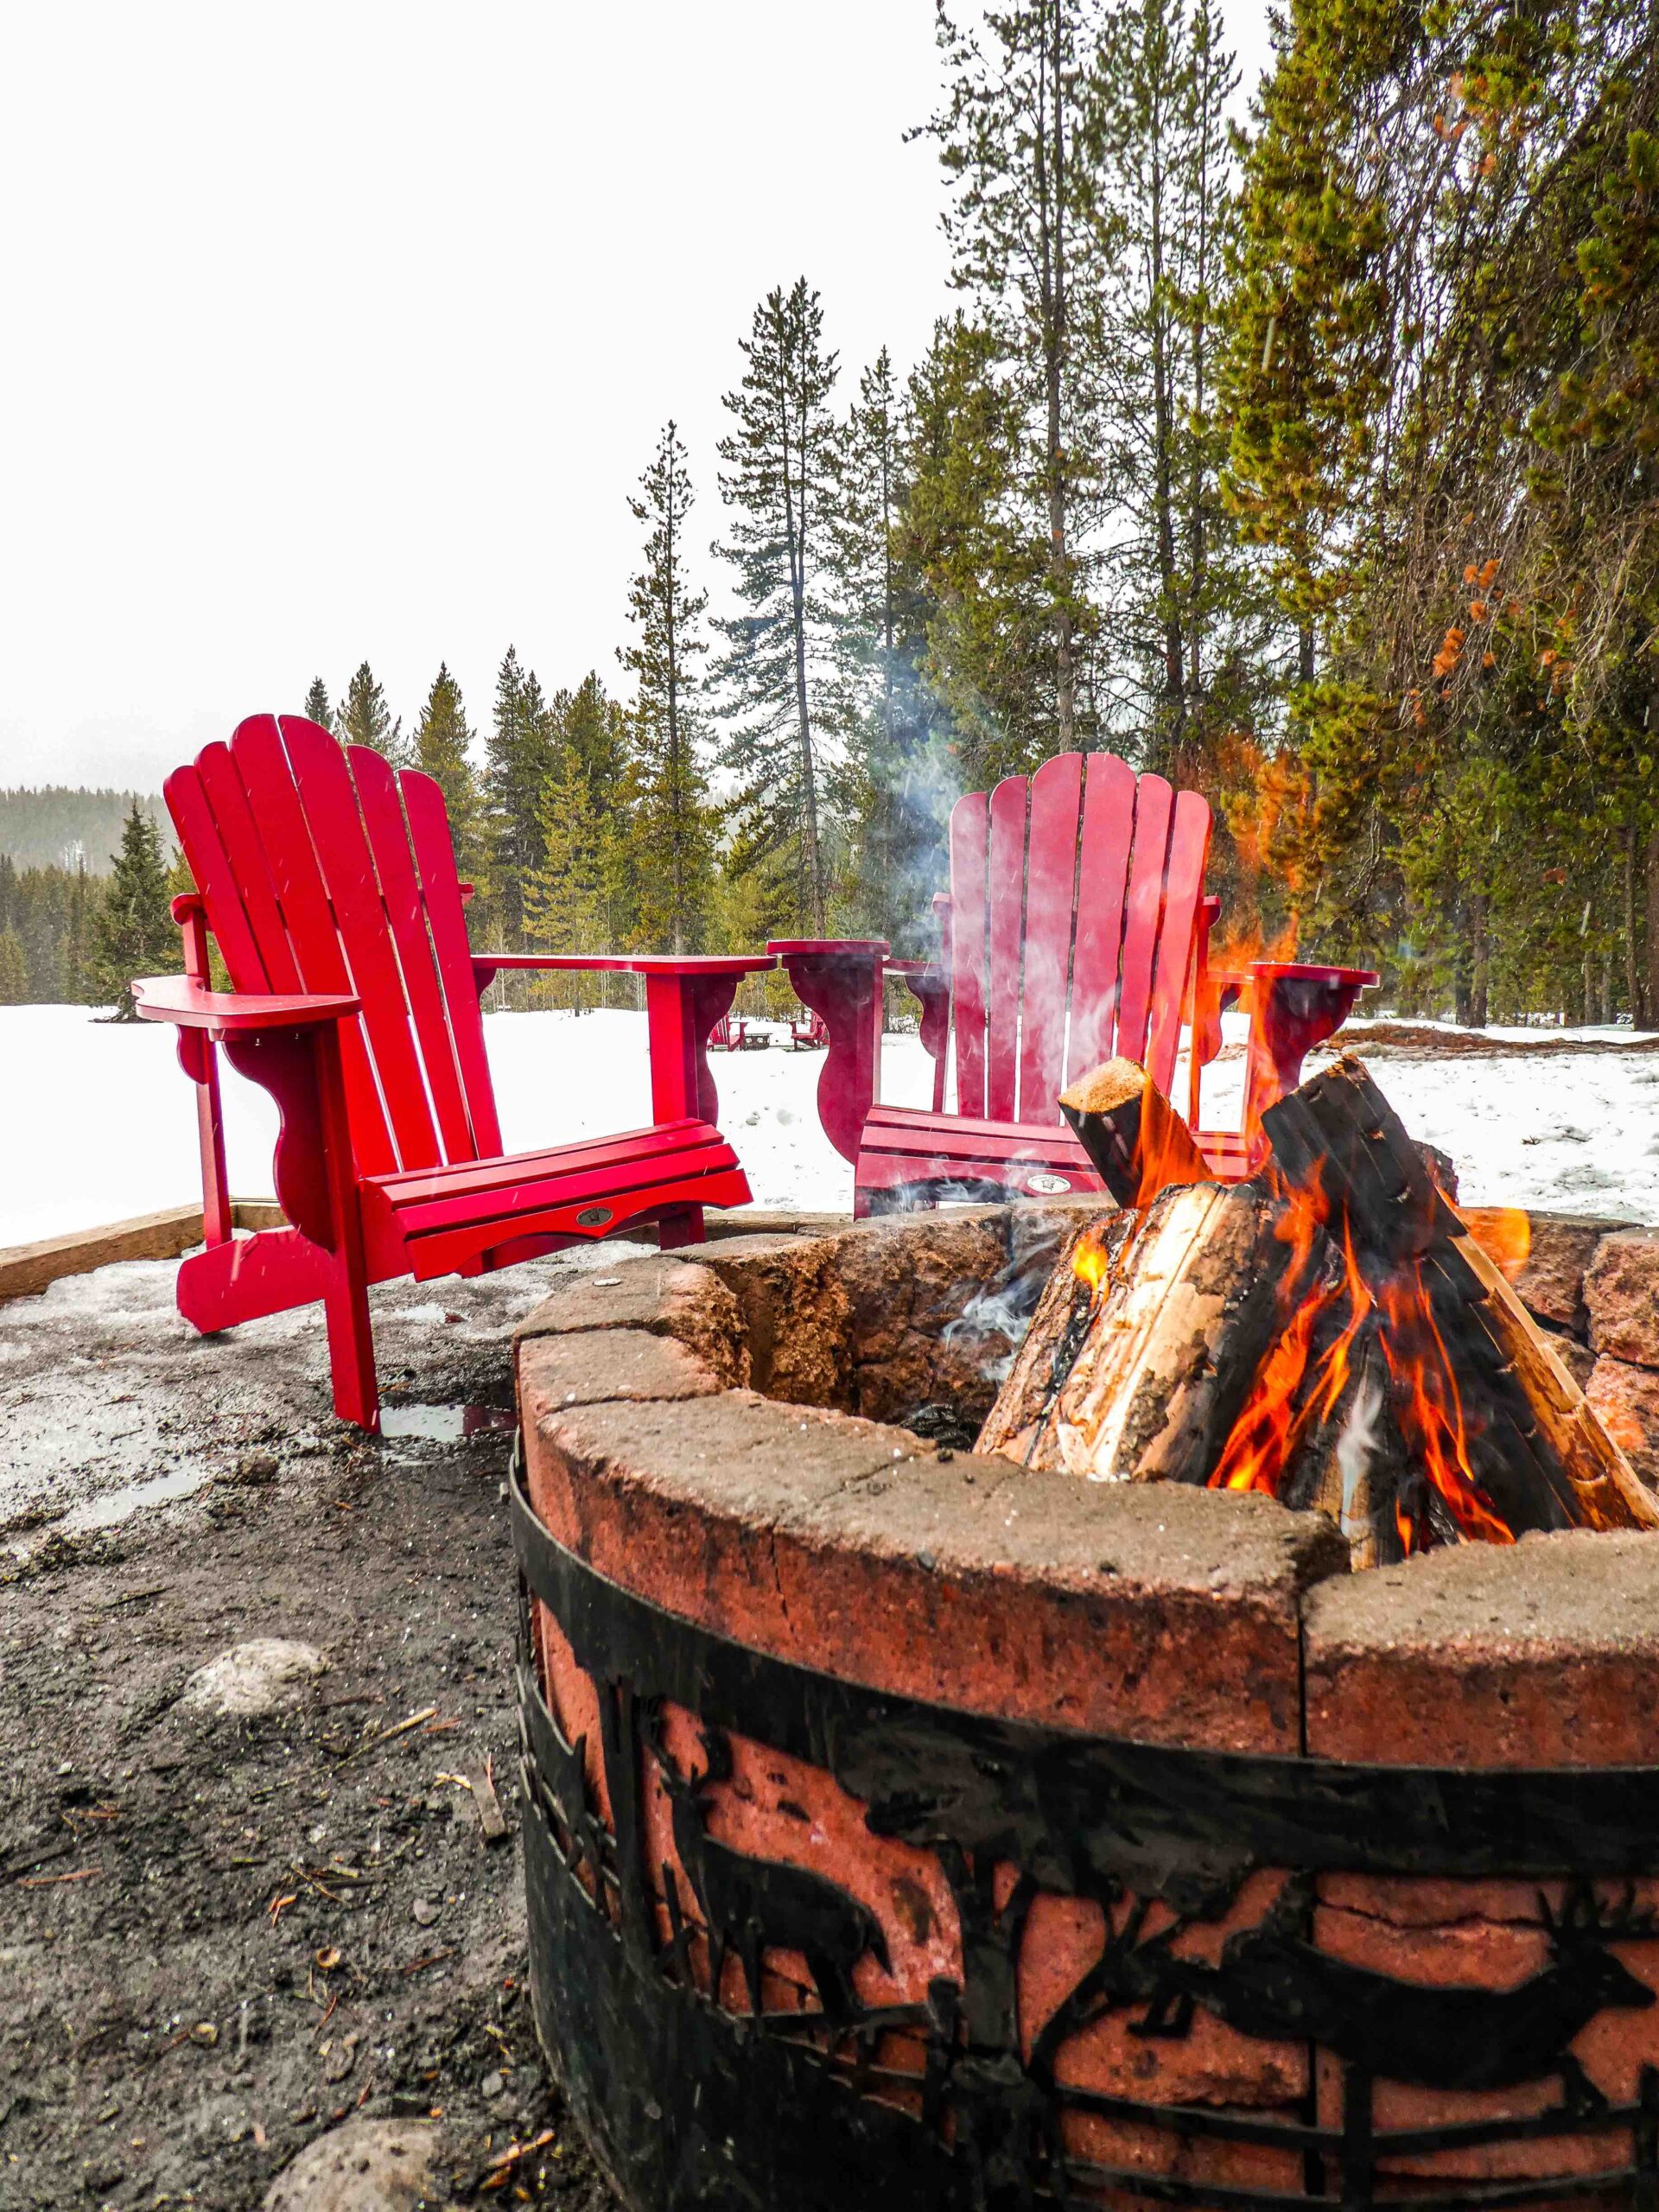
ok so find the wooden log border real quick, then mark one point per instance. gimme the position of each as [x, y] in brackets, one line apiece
[28, 1269]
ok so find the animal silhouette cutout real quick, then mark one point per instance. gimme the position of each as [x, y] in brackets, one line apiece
[751, 1905]
[1272, 1981]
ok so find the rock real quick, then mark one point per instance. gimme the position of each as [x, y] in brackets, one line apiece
[493, 2085]
[1621, 1290]
[367, 2165]
[1578, 1359]
[1551, 1278]
[253, 1677]
[1627, 1398]
[423, 1911]
[255, 1468]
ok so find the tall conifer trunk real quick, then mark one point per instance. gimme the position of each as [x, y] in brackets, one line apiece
[1051, 198]
[1651, 872]
[1635, 980]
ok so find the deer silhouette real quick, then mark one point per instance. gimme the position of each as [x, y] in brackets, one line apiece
[750, 1904]
[1271, 1981]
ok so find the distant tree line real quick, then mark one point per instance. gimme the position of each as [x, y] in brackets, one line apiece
[55, 826]
[71, 937]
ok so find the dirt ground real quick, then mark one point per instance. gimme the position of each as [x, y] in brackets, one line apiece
[222, 1937]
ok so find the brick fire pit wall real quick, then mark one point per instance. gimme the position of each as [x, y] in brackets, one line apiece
[907, 1829]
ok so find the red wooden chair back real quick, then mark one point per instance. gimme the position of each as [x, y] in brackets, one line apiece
[1074, 897]
[321, 869]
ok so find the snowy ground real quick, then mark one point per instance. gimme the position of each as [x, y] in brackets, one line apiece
[97, 1122]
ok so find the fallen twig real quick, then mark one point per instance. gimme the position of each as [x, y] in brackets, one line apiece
[402, 1728]
[514, 2152]
[47, 1881]
[432, 1959]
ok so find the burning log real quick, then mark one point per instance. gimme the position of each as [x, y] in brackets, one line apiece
[1506, 1419]
[1137, 1142]
[1169, 1331]
[1329, 1333]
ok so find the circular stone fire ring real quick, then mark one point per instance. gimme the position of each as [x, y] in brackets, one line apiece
[908, 1829]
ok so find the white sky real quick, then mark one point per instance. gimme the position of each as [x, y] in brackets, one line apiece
[342, 331]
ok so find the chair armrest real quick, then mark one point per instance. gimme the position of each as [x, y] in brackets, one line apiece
[1292, 1008]
[232, 1014]
[840, 978]
[693, 964]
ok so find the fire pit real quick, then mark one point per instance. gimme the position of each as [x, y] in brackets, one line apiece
[914, 1828]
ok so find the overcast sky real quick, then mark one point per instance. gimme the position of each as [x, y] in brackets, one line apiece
[342, 331]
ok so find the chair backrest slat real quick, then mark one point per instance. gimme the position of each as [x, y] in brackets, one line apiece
[1189, 848]
[1143, 912]
[1007, 896]
[215, 878]
[1074, 902]
[1051, 902]
[314, 879]
[221, 781]
[1102, 872]
[308, 915]
[400, 892]
[969, 826]
[323, 780]
[435, 864]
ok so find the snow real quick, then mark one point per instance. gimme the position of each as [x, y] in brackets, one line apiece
[97, 1122]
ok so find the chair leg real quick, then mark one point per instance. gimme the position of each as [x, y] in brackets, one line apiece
[678, 1225]
[351, 1349]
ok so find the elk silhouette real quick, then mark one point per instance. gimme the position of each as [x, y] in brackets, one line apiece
[1271, 1981]
[750, 1904]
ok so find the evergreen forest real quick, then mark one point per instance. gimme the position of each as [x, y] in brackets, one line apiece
[1301, 448]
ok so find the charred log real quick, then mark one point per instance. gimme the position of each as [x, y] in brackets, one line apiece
[1476, 1386]
[1137, 1142]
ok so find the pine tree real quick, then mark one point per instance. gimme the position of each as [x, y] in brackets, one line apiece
[317, 708]
[443, 749]
[778, 478]
[77, 942]
[135, 933]
[1178, 590]
[519, 753]
[673, 821]
[366, 719]
[977, 572]
[1017, 138]
[14, 969]
[895, 788]
[565, 894]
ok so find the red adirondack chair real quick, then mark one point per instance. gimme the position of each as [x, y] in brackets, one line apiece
[731, 1034]
[1076, 928]
[328, 883]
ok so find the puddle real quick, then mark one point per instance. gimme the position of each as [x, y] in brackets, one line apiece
[118, 1505]
[442, 1424]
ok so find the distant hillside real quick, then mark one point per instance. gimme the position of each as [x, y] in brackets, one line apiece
[57, 826]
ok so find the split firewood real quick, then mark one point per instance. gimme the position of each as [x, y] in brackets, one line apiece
[1167, 1343]
[1330, 1331]
[1137, 1142]
[1059, 1327]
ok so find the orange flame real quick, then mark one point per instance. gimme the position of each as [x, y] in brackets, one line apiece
[1091, 1263]
[1295, 1392]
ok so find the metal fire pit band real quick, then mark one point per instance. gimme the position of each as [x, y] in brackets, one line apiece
[691, 2104]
